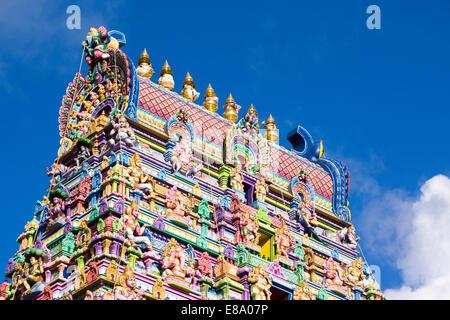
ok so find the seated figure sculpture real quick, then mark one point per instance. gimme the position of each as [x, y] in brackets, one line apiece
[34, 272]
[140, 179]
[175, 203]
[174, 261]
[348, 236]
[334, 274]
[127, 289]
[183, 157]
[303, 292]
[133, 230]
[122, 132]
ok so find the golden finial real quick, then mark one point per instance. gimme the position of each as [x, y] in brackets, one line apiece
[231, 109]
[252, 110]
[145, 69]
[189, 81]
[166, 69]
[211, 101]
[271, 129]
[189, 91]
[166, 77]
[230, 98]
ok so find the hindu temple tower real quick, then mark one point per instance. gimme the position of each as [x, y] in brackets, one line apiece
[156, 194]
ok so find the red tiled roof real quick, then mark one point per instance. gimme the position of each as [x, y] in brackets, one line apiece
[165, 104]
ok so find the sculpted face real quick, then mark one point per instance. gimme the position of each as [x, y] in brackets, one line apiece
[123, 123]
[131, 283]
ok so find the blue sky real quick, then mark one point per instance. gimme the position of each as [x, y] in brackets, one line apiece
[379, 99]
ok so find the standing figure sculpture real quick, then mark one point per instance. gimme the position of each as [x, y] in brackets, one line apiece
[261, 189]
[284, 240]
[260, 283]
[133, 230]
[237, 178]
[249, 224]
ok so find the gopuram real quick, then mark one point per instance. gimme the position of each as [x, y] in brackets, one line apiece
[154, 195]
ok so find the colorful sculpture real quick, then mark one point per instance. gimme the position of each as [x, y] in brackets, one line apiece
[122, 132]
[348, 236]
[174, 260]
[355, 272]
[237, 178]
[132, 228]
[260, 283]
[127, 290]
[261, 189]
[303, 292]
[141, 180]
[334, 274]
[284, 240]
[183, 157]
[249, 225]
[175, 203]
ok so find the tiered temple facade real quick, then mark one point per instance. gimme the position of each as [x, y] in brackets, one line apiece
[153, 196]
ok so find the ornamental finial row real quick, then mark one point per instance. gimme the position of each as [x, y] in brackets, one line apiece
[211, 101]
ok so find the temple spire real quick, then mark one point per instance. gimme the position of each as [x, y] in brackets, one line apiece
[166, 77]
[211, 101]
[231, 109]
[145, 69]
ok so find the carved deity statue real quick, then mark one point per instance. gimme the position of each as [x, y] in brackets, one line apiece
[261, 189]
[127, 289]
[249, 224]
[56, 172]
[122, 132]
[183, 157]
[57, 209]
[34, 272]
[260, 283]
[175, 203]
[355, 272]
[237, 178]
[174, 261]
[348, 236]
[284, 240]
[141, 180]
[334, 274]
[133, 230]
[309, 214]
[83, 122]
[303, 292]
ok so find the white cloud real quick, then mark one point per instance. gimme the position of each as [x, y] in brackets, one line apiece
[421, 241]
